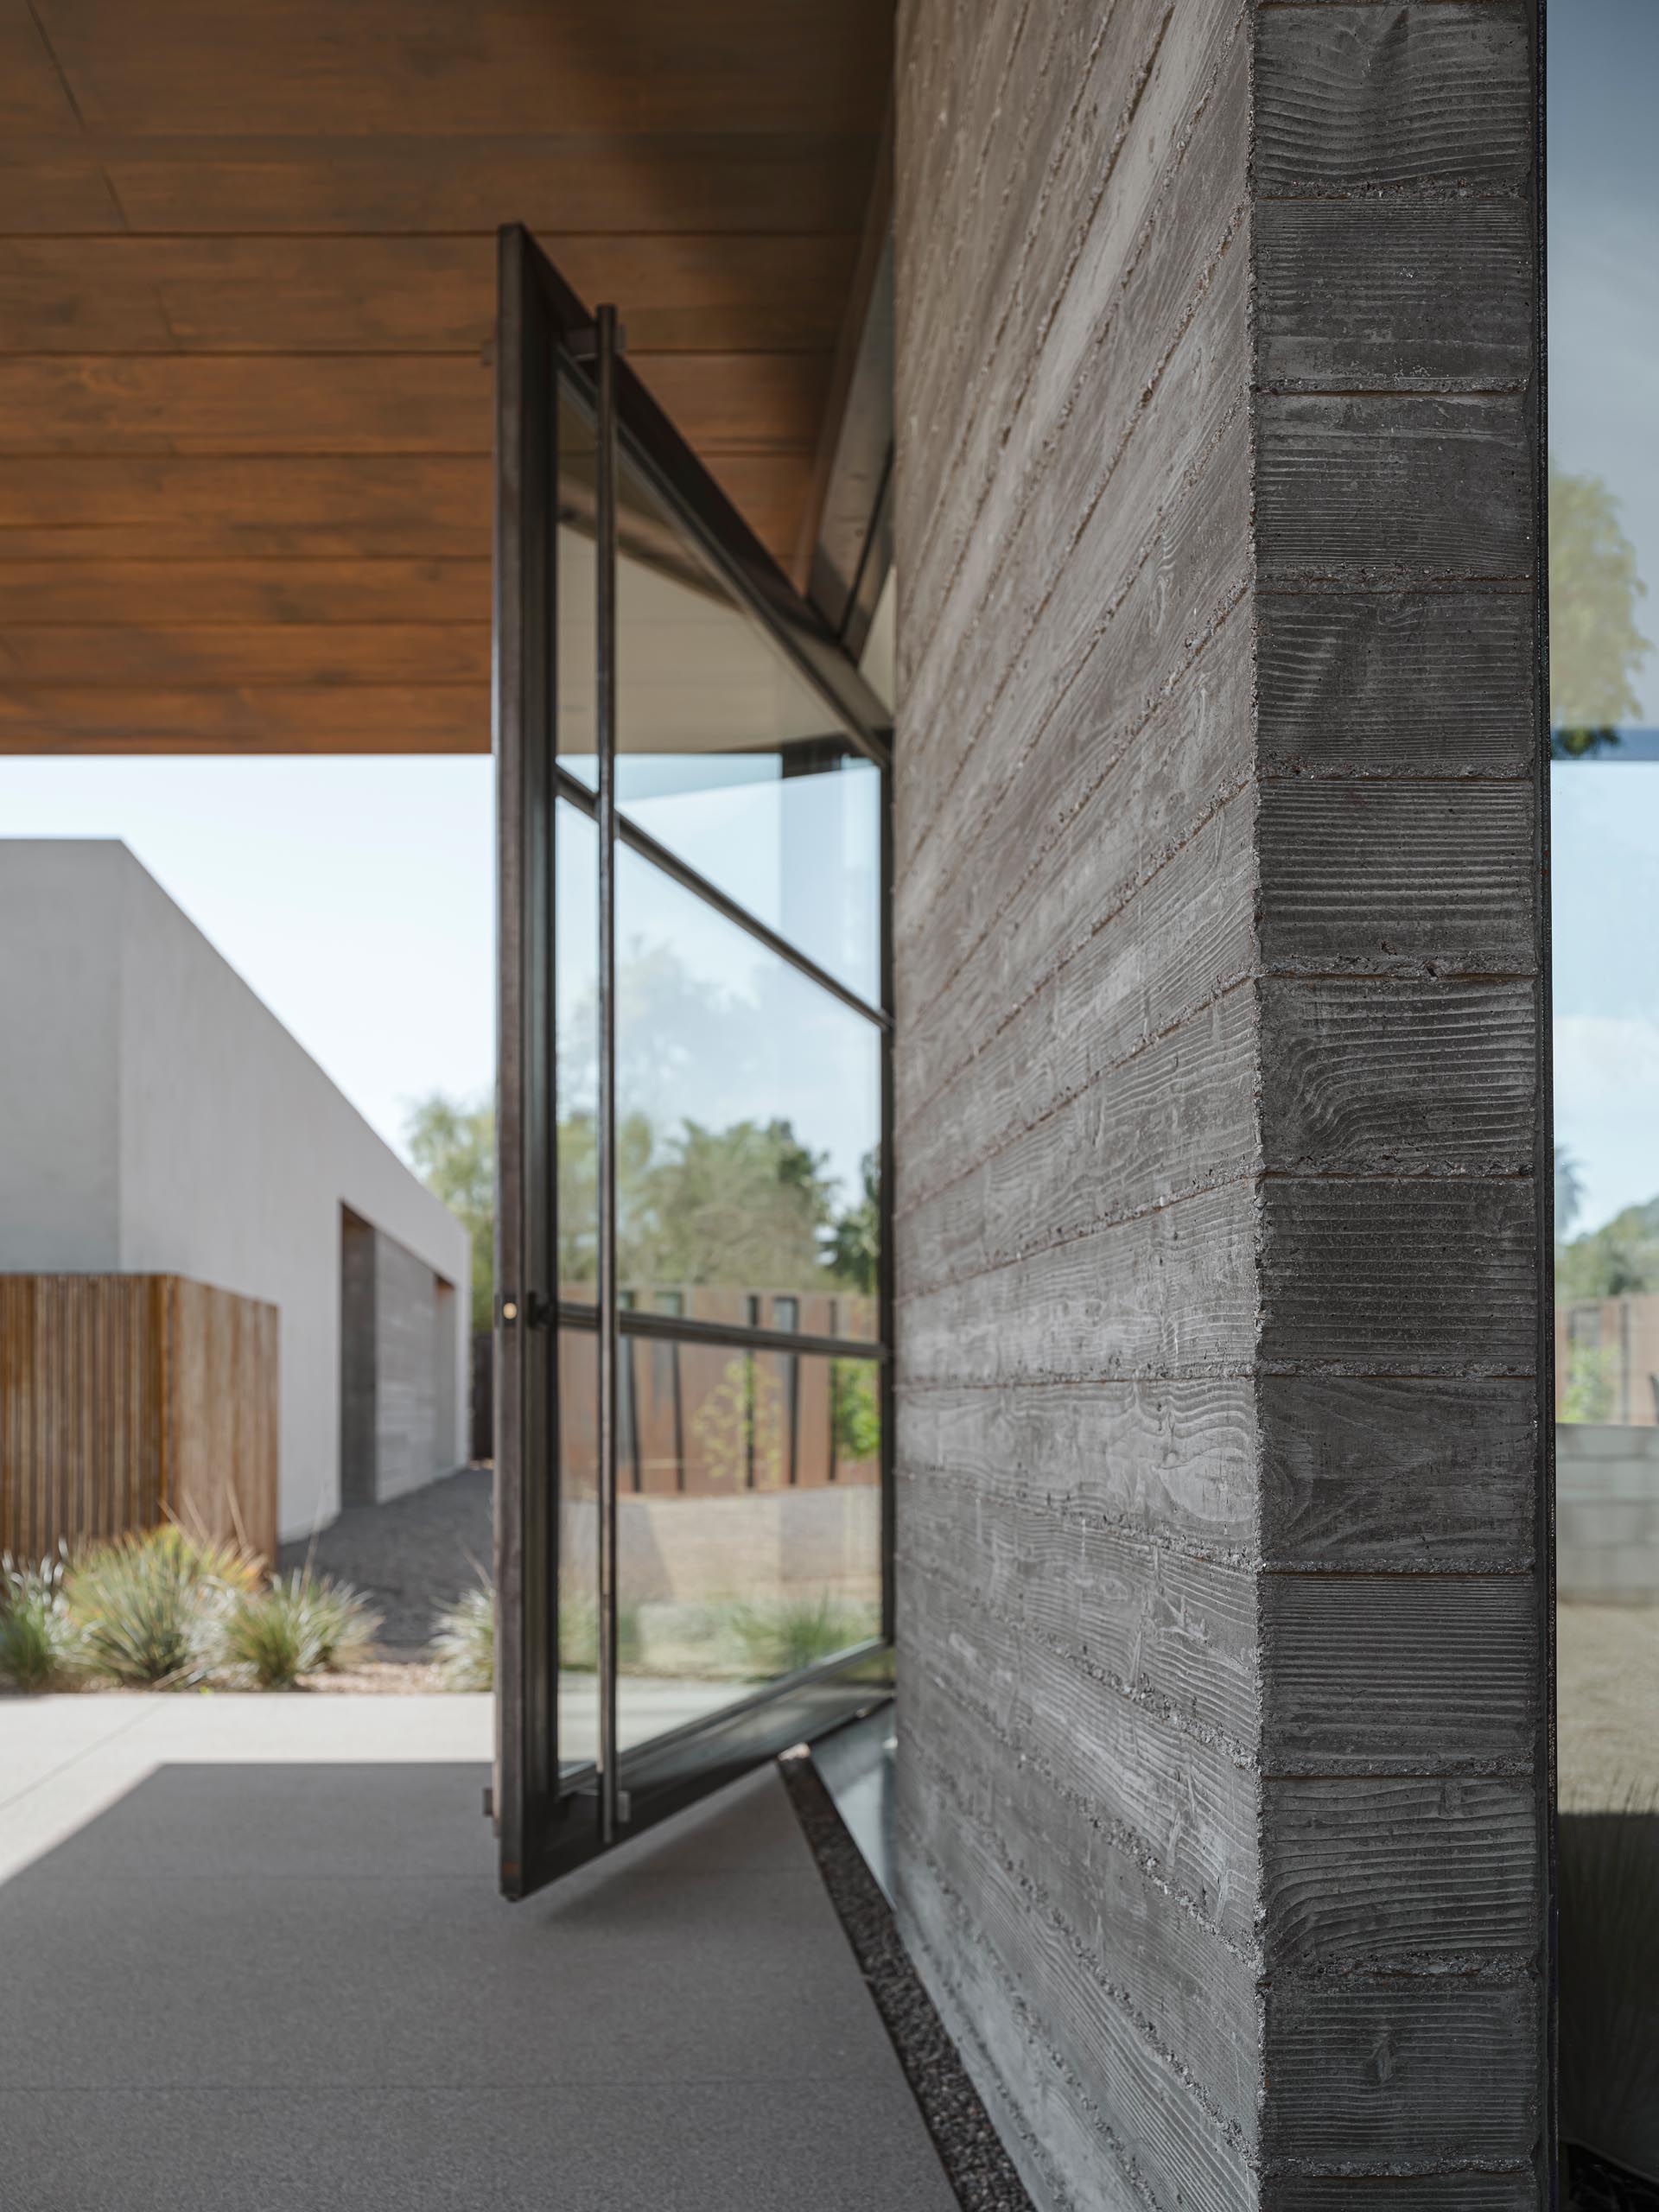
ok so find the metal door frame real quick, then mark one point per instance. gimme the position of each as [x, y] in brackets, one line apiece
[548, 1822]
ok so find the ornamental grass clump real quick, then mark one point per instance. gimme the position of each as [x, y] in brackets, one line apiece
[298, 1623]
[463, 1640]
[151, 1609]
[40, 1640]
[796, 1632]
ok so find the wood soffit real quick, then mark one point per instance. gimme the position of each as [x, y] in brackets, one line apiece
[246, 296]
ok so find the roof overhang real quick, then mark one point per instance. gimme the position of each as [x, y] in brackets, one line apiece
[246, 304]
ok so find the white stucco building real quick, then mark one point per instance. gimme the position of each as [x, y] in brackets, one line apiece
[157, 1117]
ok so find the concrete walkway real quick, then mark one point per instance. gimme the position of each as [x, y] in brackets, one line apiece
[254, 1962]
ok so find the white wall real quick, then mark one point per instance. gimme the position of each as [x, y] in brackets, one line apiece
[157, 1117]
[59, 1060]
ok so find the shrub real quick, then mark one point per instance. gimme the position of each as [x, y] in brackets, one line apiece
[299, 1623]
[40, 1640]
[794, 1632]
[463, 1639]
[855, 1410]
[151, 1609]
[579, 1634]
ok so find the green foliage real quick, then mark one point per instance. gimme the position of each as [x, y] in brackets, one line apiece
[739, 1426]
[856, 1240]
[743, 1205]
[1595, 648]
[452, 1145]
[788, 1633]
[40, 1640]
[463, 1639]
[1618, 1259]
[151, 1608]
[855, 1410]
[298, 1623]
[579, 1634]
[747, 1205]
[1589, 1389]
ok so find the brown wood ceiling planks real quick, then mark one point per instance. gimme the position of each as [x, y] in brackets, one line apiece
[246, 299]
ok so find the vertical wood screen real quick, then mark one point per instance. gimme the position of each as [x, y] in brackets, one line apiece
[126, 1401]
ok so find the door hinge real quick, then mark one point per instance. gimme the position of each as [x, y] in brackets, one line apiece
[582, 343]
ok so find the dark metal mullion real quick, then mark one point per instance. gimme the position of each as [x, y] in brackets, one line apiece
[885, 1308]
[673, 1328]
[641, 841]
[768, 1693]
[605, 816]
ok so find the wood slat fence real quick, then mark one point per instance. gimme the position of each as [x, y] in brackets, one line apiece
[126, 1401]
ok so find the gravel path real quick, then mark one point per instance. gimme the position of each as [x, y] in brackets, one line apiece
[409, 1556]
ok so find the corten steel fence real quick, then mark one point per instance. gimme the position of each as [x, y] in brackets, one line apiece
[127, 1401]
[709, 1420]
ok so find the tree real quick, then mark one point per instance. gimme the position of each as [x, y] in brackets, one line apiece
[744, 1204]
[452, 1145]
[1595, 647]
[1569, 1191]
[856, 1240]
[1618, 1259]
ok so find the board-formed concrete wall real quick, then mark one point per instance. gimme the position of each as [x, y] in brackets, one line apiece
[1217, 930]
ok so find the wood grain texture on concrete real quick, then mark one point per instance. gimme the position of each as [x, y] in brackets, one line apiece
[1218, 925]
[1402, 1654]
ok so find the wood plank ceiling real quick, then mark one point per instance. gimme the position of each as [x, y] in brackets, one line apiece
[246, 294]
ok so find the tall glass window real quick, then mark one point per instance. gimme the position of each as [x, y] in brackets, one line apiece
[693, 1522]
[747, 1034]
[1604, 564]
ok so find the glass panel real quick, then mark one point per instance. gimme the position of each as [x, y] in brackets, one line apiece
[748, 1106]
[1603, 556]
[725, 755]
[576, 1011]
[576, 1005]
[578, 1622]
[749, 1526]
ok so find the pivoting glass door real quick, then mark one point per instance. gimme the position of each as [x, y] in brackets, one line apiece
[693, 1515]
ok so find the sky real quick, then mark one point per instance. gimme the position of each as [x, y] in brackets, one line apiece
[1604, 820]
[1603, 274]
[1604, 411]
[355, 895]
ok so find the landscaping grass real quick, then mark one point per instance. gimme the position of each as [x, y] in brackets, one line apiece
[40, 1642]
[164, 1610]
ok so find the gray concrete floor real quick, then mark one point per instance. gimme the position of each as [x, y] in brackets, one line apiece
[253, 1959]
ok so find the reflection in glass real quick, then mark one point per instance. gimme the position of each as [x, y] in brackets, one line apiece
[726, 755]
[575, 998]
[749, 1525]
[578, 1559]
[1603, 552]
[748, 1104]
